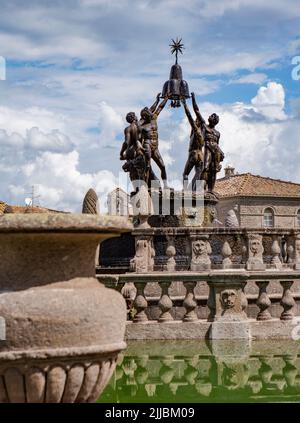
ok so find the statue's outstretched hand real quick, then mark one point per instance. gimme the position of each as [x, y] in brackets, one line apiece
[193, 95]
[158, 96]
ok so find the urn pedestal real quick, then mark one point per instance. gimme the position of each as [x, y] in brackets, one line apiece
[63, 329]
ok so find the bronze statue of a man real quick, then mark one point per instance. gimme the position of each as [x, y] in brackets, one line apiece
[132, 150]
[213, 154]
[149, 136]
[196, 156]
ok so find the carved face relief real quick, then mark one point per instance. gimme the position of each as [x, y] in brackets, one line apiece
[228, 298]
[255, 246]
[199, 248]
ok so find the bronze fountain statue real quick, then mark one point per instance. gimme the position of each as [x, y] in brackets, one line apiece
[141, 138]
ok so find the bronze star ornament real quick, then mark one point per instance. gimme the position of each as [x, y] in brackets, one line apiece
[176, 46]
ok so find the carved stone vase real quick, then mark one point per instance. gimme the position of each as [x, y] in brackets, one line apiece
[62, 330]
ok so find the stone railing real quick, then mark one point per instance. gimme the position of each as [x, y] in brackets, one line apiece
[209, 275]
[201, 249]
[232, 296]
[193, 248]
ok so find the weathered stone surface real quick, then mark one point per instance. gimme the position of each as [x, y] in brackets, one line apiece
[55, 309]
[168, 330]
[230, 330]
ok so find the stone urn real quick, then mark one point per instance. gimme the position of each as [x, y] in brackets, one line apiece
[60, 329]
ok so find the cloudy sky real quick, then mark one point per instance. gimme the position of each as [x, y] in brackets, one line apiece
[74, 68]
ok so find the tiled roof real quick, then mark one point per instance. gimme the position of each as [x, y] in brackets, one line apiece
[6, 208]
[246, 184]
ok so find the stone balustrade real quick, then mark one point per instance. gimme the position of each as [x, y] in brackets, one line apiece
[200, 249]
[243, 282]
[192, 248]
[238, 296]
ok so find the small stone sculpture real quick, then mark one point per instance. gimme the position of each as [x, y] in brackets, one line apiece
[255, 253]
[200, 255]
[231, 220]
[90, 203]
[228, 298]
[143, 260]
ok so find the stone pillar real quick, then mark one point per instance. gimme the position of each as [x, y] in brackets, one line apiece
[201, 250]
[230, 320]
[255, 252]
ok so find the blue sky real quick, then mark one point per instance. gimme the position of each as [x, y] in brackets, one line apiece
[76, 67]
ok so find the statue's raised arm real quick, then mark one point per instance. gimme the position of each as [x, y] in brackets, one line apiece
[155, 104]
[196, 109]
[161, 106]
[189, 116]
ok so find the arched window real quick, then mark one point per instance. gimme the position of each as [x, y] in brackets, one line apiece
[298, 219]
[268, 218]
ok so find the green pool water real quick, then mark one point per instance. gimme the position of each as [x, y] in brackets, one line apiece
[198, 371]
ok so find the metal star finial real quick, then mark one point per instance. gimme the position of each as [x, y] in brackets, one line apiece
[176, 46]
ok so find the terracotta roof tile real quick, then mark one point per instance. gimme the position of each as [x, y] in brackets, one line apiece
[25, 209]
[246, 184]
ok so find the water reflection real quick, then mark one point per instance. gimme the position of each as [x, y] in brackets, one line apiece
[200, 372]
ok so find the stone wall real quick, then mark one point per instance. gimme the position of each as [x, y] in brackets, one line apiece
[251, 210]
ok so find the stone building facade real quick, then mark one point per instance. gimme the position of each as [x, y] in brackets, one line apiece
[258, 201]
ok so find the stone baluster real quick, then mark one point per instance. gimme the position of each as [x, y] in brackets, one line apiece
[140, 303]
[263, 301]
[287, 301]
[170, 252]
[190, 303]
[226, 253]
[276, 251]
[165, 303]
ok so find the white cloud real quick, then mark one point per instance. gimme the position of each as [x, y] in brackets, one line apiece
[59, 183]
[251, 78]
[270, 101]
[35, 139]
[111, 123]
